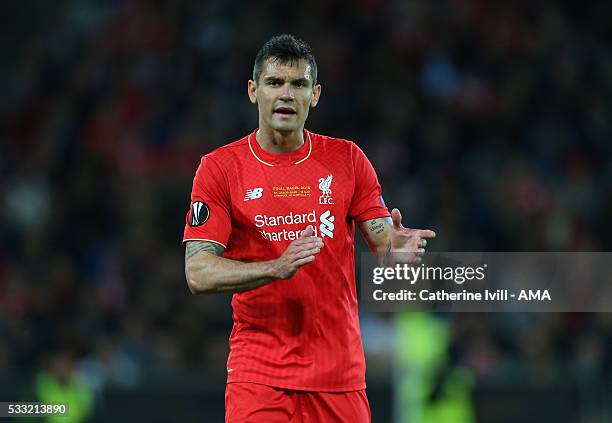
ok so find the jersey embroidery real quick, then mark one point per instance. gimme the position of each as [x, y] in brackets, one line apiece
[326, 192]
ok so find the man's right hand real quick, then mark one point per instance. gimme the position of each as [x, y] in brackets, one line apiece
[300, 252]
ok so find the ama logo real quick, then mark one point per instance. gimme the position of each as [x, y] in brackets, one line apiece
[538, 295]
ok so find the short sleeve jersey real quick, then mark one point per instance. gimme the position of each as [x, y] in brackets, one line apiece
[302, 333]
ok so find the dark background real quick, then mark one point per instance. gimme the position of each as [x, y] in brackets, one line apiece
[487, 121]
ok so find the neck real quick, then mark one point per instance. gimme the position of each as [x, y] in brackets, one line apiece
[277, 142]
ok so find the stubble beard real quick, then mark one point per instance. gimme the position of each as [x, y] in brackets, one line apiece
[285, 126]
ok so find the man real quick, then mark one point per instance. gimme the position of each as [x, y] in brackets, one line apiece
[272, 220]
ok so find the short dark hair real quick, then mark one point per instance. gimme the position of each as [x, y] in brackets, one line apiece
[286, 49]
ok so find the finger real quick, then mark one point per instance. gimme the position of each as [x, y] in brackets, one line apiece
[306, 260]
[411, 252]
[301, 242]
[305, 253]
[421, 233]
[423, 243]
[426, 233]
[396, 216]
[309, 231]
[309, 242]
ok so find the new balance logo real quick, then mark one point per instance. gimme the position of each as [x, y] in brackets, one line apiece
[327, 225]
[253, 194]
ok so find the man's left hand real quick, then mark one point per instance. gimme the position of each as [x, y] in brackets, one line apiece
[408, 240]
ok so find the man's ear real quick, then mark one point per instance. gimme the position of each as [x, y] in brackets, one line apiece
[316, 93]
[252, 91]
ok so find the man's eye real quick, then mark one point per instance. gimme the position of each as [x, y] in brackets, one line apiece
[274, 83]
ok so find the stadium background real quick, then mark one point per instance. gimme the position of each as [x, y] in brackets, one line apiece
[489, 122]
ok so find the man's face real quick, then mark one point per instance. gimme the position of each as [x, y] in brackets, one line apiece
[284, 94]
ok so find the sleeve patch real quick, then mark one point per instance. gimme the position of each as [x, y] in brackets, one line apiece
[199, 213]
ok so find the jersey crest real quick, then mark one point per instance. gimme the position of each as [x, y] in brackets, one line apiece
[326, 192]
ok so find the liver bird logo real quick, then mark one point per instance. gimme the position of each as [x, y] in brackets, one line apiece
[324, 185]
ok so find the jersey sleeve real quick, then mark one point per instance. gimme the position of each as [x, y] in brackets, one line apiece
[208, 218]
[367, 202]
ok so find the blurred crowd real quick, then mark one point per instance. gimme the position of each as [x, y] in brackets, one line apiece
[489, 122]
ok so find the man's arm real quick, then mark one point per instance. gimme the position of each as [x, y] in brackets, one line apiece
[386, 237]
[377, 233]
[207, 272]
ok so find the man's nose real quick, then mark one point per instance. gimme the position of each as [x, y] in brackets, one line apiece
[287, 93]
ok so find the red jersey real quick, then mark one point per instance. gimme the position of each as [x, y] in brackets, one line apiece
[301, 333]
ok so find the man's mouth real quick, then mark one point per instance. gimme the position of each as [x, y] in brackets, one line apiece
[285, 111]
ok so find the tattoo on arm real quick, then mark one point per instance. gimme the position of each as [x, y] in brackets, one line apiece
[196, 247]
[377, 226]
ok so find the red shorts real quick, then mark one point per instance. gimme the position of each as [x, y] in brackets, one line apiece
[251, 402]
